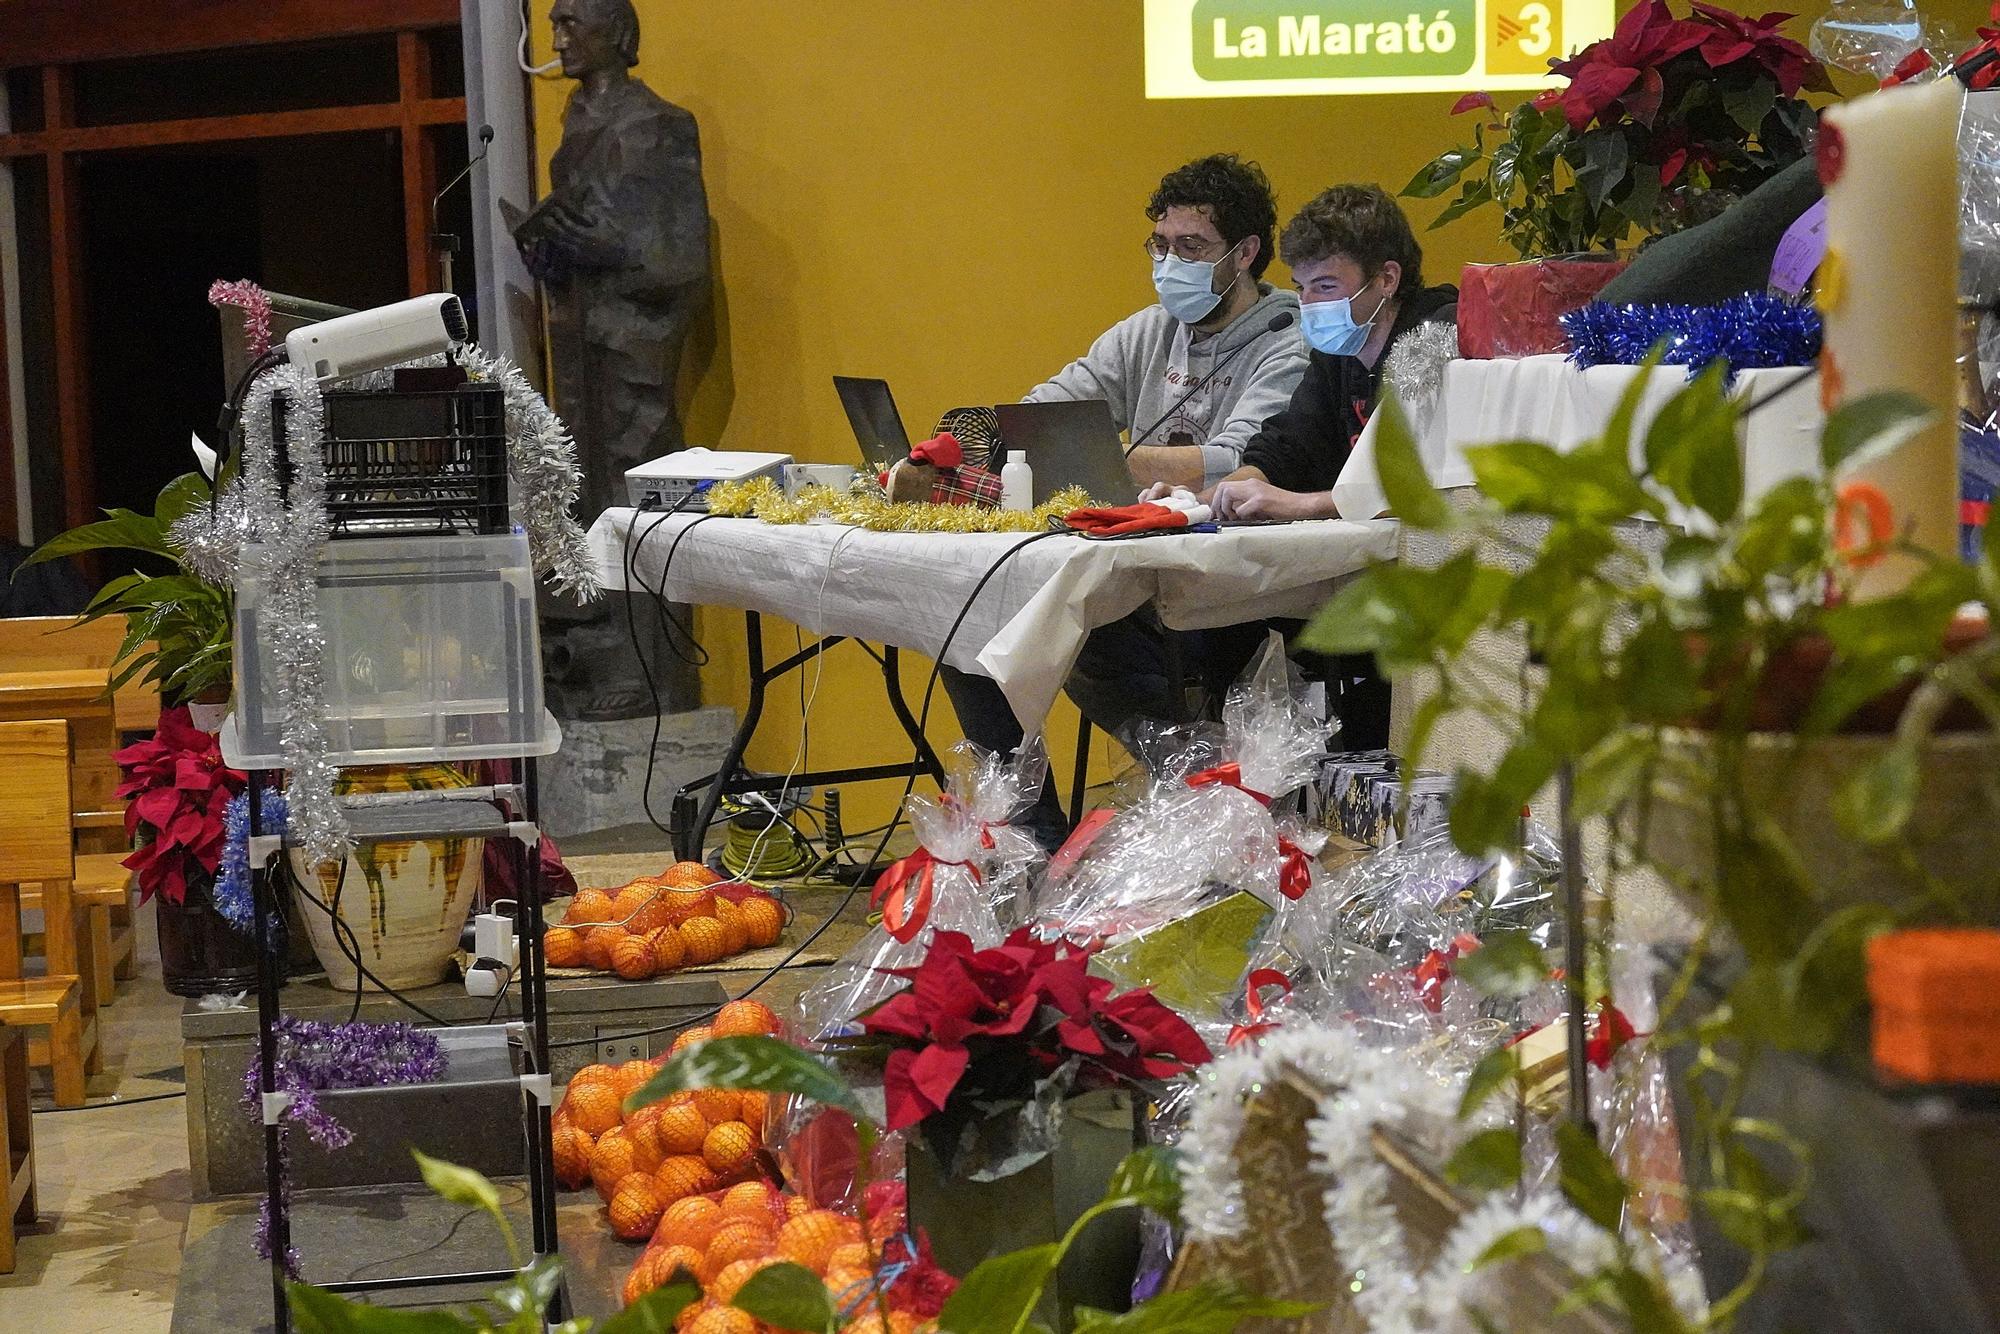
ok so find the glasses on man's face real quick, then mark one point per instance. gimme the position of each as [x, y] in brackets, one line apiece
[1194, 249]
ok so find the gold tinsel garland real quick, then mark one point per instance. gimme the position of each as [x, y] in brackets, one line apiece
[763, 499]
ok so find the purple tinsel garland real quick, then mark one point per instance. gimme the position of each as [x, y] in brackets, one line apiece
[1744, 333]
[314, 1058]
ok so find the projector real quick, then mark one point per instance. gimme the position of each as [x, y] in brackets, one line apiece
[669, 480]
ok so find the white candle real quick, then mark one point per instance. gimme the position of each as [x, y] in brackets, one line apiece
[1889, 292]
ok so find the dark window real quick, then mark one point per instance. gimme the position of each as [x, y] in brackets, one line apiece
[356, 72]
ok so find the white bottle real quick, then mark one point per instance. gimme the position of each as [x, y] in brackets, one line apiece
[1017, 482]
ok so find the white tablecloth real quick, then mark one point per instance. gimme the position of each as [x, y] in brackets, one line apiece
[1546, 399]
[1029, 623]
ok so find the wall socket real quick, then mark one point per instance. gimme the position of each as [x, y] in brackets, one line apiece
[618, 1050]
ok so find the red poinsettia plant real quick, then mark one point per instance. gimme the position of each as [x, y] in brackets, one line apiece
[981, 1036]
[177, 792]
[1660, 126]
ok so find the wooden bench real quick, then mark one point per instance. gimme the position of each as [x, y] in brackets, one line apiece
[39, 1002]
[36, 849]
[102, 891]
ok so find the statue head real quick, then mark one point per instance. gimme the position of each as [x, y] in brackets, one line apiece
[595, 36]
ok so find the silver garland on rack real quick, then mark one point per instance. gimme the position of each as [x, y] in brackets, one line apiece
[291, 538]
[541, 455]
[1414, 369]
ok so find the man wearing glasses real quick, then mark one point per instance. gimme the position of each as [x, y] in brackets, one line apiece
[1192, 379]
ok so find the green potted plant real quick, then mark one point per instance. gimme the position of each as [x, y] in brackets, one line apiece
[1661, 126]
[1803, 770]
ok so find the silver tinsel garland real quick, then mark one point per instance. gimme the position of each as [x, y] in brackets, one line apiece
[1414, 370]
[541, 456]
[542, 461]
[291, 539]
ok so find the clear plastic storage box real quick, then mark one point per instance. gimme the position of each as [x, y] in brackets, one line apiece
[432, 652]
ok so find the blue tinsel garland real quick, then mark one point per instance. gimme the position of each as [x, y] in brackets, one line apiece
[1744, 333]
[232, 877]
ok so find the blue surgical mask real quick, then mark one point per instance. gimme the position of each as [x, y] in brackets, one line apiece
[1329, 326]
[1187, 287]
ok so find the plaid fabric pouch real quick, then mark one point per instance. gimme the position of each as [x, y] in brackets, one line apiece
[966, 485]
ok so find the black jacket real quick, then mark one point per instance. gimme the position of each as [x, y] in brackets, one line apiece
[1304, 447]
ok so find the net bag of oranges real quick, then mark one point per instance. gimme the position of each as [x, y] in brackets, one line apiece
[723, 1238]
[689, 1144]
[685, 917]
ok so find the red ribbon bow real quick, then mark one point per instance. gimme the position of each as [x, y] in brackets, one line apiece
[1226, 775]
[905, 892]
[940, 451]
[1295, 875]
[1254, 1002]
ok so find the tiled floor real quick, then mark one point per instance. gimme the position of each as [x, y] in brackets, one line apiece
[113, 1181]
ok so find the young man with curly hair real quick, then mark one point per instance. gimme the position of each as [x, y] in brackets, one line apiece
[1214, 221]
[1360, 276]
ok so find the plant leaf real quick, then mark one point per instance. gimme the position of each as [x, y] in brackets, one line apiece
[1691, 446]
[1489, 1160]
[179, 498]
[999, 1293]
[655, 1312]
[1512, 1246]
[124, 530]
[1589, 1180]
[1498, 1067]
[1876, 803]
[789, 1296]
[315, 1311]
[760, 1064]
[1610, 771]
[1215, 1306]
[1507, 963]
[1150, 1177]
[1436, 177]
[1868, 427]
[460, 1185]
[1400, 466]
[1606, 159]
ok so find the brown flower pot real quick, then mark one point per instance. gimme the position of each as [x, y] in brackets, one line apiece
[1792, 680]
[1514, 310]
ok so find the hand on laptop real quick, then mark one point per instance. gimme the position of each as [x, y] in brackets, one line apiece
[1254, 498]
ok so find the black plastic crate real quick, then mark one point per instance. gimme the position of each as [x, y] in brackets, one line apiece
[402, 462]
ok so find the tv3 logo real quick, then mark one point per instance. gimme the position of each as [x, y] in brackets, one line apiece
[1523, 35]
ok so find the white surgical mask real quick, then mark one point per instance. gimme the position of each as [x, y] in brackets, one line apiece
[1329, 326]
[1187, 287]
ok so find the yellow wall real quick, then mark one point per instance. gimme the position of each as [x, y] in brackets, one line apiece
[947, 193]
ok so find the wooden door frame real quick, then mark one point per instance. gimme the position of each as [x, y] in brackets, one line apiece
[47, 35]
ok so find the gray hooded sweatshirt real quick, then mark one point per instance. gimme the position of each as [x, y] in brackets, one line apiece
[1143, 365]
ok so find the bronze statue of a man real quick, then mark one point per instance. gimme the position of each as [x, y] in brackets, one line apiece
[621, 248]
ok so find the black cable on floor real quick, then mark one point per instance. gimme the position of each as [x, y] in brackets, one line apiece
[112, 1102]
[889, 830]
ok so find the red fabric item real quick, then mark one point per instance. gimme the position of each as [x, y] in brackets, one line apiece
[941, 451]
[1513, 310]
[1119, 519]
[1226, 775]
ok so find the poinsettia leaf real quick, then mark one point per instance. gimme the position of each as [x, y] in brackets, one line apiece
[790, 1297]
[1438, 175]
[1000, 1293]
[756, 1064]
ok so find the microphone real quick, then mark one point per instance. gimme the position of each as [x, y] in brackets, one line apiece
[485, 147]
[1283, 320]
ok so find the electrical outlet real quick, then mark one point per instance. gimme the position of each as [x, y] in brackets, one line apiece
[618, 1050]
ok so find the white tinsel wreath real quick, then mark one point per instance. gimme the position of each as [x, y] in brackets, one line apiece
[1364, 1088]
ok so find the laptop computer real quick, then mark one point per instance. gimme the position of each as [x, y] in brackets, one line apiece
[1070, 444]
[871, 412]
